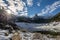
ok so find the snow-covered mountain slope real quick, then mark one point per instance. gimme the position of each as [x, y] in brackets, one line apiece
[16, 7]
[54, 26]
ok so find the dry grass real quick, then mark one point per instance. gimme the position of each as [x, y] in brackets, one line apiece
[16, 36]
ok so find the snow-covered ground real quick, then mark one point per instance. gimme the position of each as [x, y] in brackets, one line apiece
[55, 26]
[29, 36]
[2, 35]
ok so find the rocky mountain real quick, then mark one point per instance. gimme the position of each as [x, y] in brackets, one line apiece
[39, 19]
[56, 17]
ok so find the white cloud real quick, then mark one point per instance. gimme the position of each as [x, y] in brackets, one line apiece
[29, 2]
[24, 12]
[21, 6]
[50, 8]
[38, 4]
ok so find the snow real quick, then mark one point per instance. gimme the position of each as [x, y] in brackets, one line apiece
[26, 36]
[55, 26]
[2, 35]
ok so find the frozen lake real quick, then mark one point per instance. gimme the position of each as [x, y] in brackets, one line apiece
[55, 26]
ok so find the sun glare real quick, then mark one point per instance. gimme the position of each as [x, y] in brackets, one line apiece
[8, 11]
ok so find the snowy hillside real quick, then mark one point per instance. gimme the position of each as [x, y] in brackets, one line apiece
[54, 26]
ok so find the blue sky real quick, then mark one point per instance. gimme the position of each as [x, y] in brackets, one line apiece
[37, 6]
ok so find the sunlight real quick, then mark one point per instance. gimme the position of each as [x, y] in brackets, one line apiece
[8, 11]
